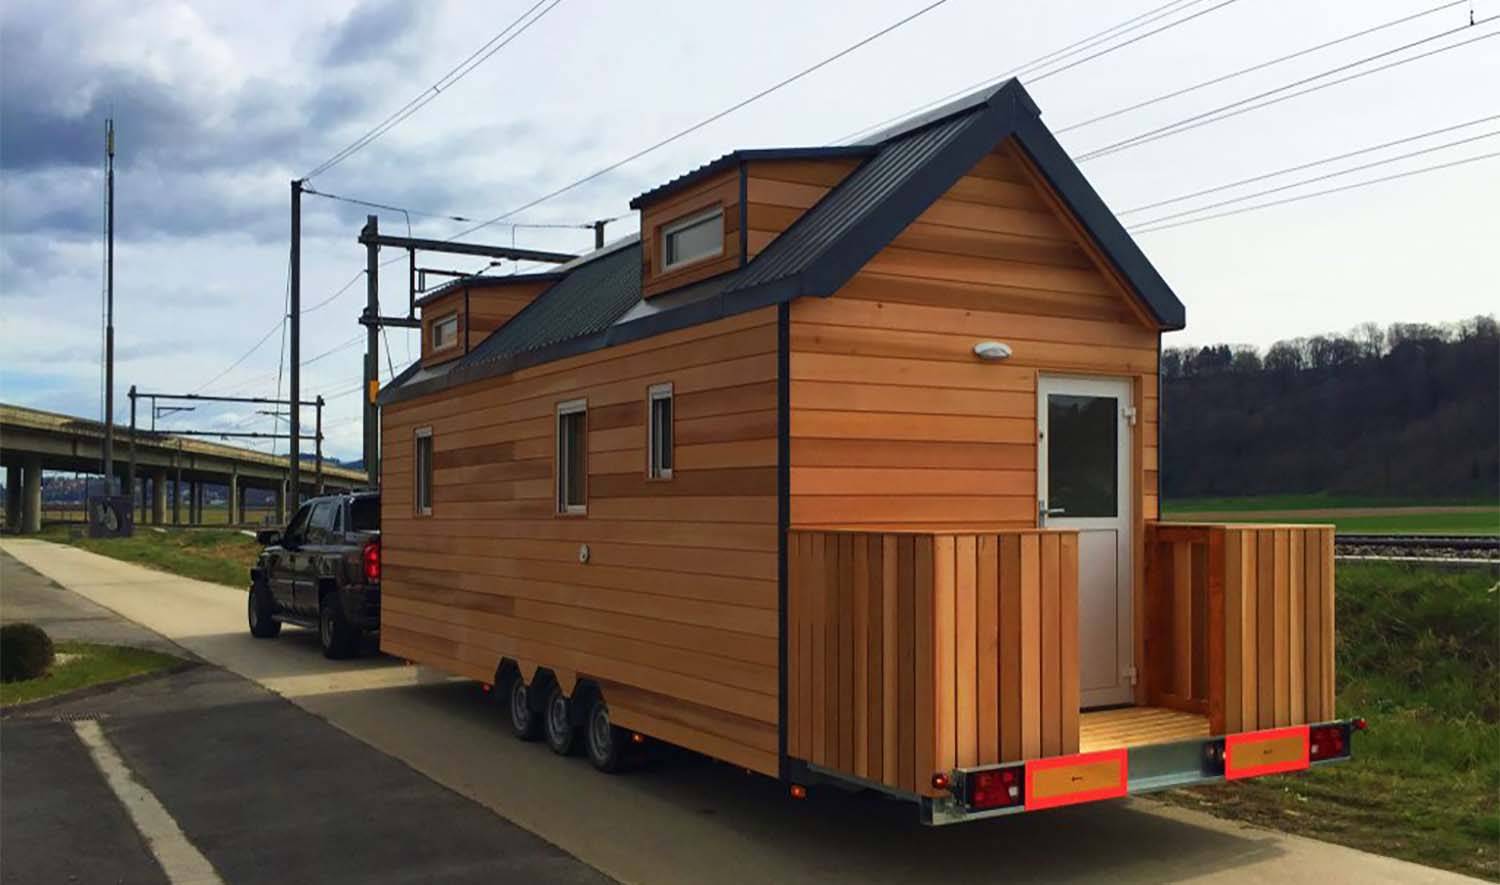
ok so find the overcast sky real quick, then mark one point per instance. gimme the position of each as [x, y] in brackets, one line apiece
[219, 105]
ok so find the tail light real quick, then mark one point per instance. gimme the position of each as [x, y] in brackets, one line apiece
[370, 559]
[995, 788]
[1327, 742]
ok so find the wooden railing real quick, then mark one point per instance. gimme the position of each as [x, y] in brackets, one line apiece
[911, 653]
[1239, 623]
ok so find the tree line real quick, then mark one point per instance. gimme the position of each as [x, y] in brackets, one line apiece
[1411, 410]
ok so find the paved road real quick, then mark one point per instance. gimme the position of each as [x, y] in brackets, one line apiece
[690, 820]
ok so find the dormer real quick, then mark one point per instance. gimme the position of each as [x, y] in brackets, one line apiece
[459, 315]
[722, 214]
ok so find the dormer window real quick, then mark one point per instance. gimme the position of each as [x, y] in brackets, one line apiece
[445, 332]
[692, 239]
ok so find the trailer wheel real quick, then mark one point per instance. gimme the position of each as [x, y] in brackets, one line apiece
[562, 734]
[606, 742]
[263, 624]
[524, 722]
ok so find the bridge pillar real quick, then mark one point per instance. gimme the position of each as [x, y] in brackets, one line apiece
[159, 497]
[177, 497]
[13, 497]
[31, 495]
[234, 496]
[195, 501]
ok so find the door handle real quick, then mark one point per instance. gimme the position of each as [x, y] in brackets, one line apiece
[1054, 511]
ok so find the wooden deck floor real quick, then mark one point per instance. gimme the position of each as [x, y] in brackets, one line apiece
[1132, 726]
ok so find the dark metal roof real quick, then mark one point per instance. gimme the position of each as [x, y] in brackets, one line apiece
[483, 282]
[598, 302]
[735, 157]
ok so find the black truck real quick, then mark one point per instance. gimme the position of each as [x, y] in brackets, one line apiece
[322, 571]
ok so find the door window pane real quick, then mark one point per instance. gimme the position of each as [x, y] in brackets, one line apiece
[1082, 455]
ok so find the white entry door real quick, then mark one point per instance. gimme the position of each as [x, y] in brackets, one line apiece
[1084, 482]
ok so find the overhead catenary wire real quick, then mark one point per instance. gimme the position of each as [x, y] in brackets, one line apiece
[1136, 39]
[1213, 81]
[1309, 165]
[476, 58]
[1146, 228]
[787, 81]
[1274, 96]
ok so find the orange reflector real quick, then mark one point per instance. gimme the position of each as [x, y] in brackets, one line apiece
[637, 738]
[1256, 753]
[940, 781]
[799, 791]
[374, 391]
[1069, 780]
[486, 687]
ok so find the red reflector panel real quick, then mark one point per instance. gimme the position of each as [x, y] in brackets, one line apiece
[997, 788]
[1273, 751]
[371, 560]
[1068, 780]
[1327, 742]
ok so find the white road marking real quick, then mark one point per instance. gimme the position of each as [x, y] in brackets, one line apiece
[182, 863]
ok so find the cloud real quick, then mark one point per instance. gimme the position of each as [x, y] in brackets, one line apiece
[373, 30]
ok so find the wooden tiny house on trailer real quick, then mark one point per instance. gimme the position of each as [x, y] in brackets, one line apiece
[847, 468]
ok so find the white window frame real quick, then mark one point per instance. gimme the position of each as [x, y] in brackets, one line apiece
[434, 331]
[681, 224]
[571, 407]
[654, 394]
[419, 481]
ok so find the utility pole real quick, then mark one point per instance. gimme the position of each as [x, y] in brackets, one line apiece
[109, 311]
[599, 233]
[130, 472]
[295, 394]
[372, 349]
[318, 434]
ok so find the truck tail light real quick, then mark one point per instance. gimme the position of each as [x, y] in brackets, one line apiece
[370, 559]
[995, 788]
[1327, 742]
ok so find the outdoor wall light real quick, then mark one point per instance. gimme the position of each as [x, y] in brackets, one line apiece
[990, 351]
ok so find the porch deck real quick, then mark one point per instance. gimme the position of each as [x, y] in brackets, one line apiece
[1133, 726]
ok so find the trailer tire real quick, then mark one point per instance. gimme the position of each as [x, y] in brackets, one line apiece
[561, 733]
[524, 722]
[261, 614]
[606, 743]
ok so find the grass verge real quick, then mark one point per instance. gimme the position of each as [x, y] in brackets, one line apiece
[1417, 657]
[220, 556]
[81, 665]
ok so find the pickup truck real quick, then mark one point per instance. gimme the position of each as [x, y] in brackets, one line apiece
[322, 571]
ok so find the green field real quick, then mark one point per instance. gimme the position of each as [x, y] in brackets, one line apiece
[1417, 656]
[218, 555]
[1350, 514]
[81, 665]
[1319, 501]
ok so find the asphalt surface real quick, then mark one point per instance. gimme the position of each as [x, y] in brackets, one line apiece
[686, 819]
[265, 790]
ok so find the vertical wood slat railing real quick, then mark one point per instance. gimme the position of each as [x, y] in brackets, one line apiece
[1239, 623]
[911, 653]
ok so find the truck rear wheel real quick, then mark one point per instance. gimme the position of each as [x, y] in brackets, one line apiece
[263, 623]
[339, 638]
[562, 734]
[606, 743]
[524, 722]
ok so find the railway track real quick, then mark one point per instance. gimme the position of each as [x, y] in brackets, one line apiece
[1452, 549]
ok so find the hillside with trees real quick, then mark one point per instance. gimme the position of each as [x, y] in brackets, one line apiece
[1409, 411]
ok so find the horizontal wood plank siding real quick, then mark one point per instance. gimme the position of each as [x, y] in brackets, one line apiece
[720, 190]
[675, 612]
[779, 191]
[916, 652]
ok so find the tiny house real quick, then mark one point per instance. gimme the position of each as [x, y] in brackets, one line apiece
[846, 469]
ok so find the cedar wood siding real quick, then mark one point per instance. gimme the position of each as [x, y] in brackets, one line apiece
[481, 310]
[722, 189]
[777, 192]
[435, 310]
[895, 421]
[675, 614]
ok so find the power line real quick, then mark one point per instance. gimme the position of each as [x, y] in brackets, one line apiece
[1167, 27]
[1082, 45]
[1256, 67]
[1301, 166]
[306, 189]
[1323, 177]
[1244, 105]
[457, 73]
[1143, 229]
[342, 289]
[706, 121]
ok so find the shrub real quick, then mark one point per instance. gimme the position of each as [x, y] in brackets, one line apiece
[25, 652]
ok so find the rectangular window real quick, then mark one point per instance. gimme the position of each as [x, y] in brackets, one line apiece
[423, 459]
[445, 332]
[659, 431]
[572, 447]
[692, 239]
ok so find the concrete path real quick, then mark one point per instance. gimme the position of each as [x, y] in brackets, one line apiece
[690, 820]
[26, 595]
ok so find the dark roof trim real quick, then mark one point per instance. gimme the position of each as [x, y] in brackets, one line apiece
[713, 167]
[488, 283]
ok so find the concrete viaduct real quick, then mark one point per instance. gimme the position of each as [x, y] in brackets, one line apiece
[32, 441]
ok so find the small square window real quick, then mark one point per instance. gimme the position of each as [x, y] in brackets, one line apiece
[692, 239]
[423, 460]
[659, 431]
[572, 448]
[445, 332]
